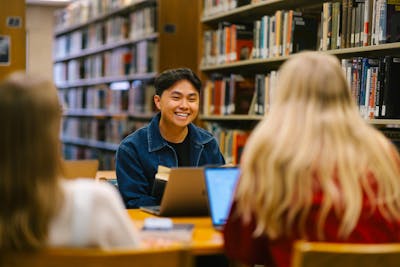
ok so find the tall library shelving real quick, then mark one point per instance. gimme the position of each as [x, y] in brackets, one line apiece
[106, 55]
[245, 41]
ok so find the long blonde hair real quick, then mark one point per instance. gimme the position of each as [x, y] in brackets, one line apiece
[313, 140]
[30, 160]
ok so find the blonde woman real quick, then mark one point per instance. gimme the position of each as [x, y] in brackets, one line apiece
[313, 169]
[37, 208]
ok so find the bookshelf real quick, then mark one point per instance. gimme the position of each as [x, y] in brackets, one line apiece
[106, 56]
[272, 45]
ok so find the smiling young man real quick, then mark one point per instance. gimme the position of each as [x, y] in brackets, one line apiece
[170, 139]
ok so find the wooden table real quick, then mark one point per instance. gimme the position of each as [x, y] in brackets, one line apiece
[106, 175]
[206, 240]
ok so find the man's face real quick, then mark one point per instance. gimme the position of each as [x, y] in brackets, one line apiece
[179, 105]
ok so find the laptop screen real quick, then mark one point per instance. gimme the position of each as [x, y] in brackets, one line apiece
[220, 185]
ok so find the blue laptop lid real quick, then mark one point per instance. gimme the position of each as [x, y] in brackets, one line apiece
[220, 185]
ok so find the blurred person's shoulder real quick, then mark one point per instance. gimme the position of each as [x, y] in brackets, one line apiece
[89, 187]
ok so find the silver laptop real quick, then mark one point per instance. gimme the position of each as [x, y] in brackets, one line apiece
[220, 186]
[184, 194]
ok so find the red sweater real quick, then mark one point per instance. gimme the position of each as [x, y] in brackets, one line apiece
[240, 245]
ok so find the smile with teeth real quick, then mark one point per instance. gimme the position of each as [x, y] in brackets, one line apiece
[182, 114]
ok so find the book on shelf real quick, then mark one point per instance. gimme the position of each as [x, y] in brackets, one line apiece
[350, 23]
[283, 33]
[367, 22]
[343, 36]
[268, 80]
[354, 23]
[385, 21]
[373, 85]
[381, 26]
[232, 143]
[278, 33]
[285, 22]
[304, 32]
[355, 83]
[257, 31]
[211, 7]
[221, 41]
[289, 31]
[374, 23]
[207, 106]
[140, 98]
[227, 137]
[271, 36]
[238, 143]
[371, 88]
[115, 129]
[390, 106]
[243, 2]
[142, 22]
[117, 100]
[336, 17]
[373, 93]
[140, 57]
[243, 91]
[230, 42]
[264, 37]
[226, 95]
[394, 135]
[243, 42]
[208, 57]
[360, 22]
[263, 93]
[380, 87]
[217, 95]
[146, 56]
[326, 25]
[82, 11]
[367, 86]
[260, 94]
[252, 107]
[392, 21]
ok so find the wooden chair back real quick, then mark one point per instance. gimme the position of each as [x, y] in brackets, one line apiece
[321, 254]
[82, 168]
[168, 257]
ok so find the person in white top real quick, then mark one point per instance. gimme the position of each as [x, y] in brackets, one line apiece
[38, 208]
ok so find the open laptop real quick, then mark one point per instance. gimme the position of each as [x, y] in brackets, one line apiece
[220, 186]
[184, 194]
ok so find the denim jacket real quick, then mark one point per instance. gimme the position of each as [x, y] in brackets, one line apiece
[140, 153]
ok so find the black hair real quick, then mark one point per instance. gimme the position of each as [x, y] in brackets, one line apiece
[168, 78]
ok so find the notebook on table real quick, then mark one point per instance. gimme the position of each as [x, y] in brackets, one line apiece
[220, 186]
[184, 194]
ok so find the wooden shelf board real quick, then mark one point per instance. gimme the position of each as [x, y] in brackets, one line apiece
[90, 143]
[243, 117]
[105, 80]
[125, 9]
[344, 52]
[256, 10]
[91, 51]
